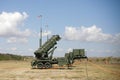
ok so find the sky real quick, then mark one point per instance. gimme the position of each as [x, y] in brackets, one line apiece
[93, 25]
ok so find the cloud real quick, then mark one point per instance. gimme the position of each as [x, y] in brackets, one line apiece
[16, 39]
[10, 26]
[13, 48]
[69, 50]
[31, 50]
[90, 34]
[45, 33]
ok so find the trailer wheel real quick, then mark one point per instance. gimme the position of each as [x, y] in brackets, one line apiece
[40, 65]
[33, 64]
[48, 65]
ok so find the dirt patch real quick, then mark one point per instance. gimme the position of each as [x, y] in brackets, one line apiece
[21, 70]
[106, 69]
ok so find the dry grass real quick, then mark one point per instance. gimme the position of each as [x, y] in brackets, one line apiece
[21, 70]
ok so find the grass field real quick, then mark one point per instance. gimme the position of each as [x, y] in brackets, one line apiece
[21, 70]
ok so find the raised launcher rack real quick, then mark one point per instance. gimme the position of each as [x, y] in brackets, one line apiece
[44, 54]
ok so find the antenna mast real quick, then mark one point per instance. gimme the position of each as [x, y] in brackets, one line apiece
[40, 37]
[40, 41]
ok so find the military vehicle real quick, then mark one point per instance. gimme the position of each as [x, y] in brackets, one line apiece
[44, 55]
[45, 52]
[69, 58]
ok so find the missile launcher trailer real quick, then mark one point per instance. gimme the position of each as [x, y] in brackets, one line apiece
[45, 52]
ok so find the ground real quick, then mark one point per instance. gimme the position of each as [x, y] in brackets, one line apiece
[21, 70]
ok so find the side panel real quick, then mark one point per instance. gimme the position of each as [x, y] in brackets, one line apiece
[61, 61]
[78, 52]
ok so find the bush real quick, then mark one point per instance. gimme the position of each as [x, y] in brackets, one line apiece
[10, 57]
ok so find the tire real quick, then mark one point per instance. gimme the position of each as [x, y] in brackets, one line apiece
[48, 65]
[40, 65]
[33, 64]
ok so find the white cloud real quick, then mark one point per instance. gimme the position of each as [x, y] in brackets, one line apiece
[90, 34]
[31, 50]
[12, 40]
[0, 49]
[10, 24]
[69, 50]
[16, 39]
[45, 33]
[13, 48]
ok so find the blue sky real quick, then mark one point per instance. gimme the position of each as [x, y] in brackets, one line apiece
[90, 24]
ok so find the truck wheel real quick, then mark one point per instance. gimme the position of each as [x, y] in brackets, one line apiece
[48, 65]
[40, 65]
